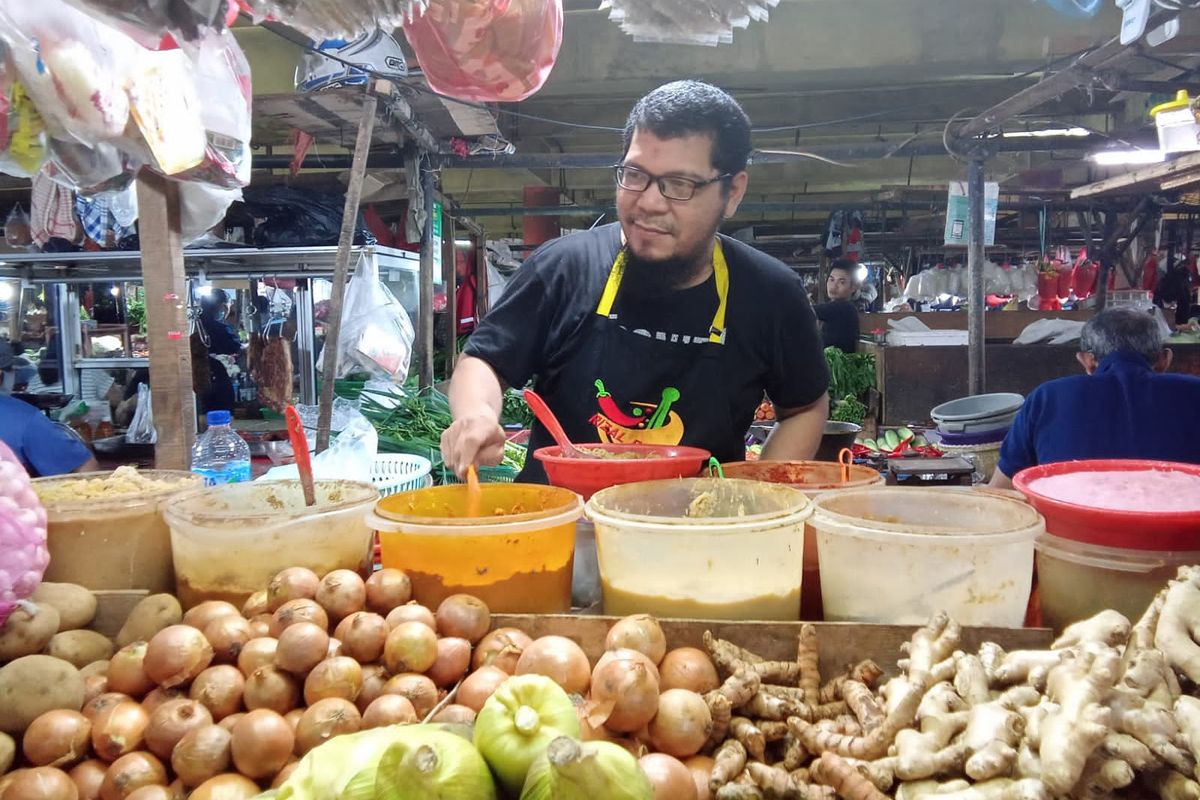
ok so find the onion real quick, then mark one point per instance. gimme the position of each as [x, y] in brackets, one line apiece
[227, 635]
[271, 688]
[260, 625]
[419, 690]
[261, 744]
[560, 660]
[477, 687]
[294, 716]
[335, 647]
[463, 616]
[389, 709]
[588, 731]
[682, 724]
[688, 668]
[625, 694]
[153, 701]
[119, 730]
[411, 612]
[177, 790]
[362, 635]
[627, 655]
[334, 677]
[669, 777]
[294, 611]
[130, 773]
[293, 583]
[219, 689]
[87, 777]
[97, 706]
[325, 719]
[701, 769]
[201, 754]
[229, 786]
[57, 738]
[154, 792]
[284, 773]
[255, 604]
[176, 654]
[455, 713]
[341, 593]
[301, 647]
[639, 632]
[374, 678]
[453, 659]
[501, 648]
[94, 686]
[386, 589]
[41, 783]
[8, 778]
[127, 671]
[231, 720]
[200, 616]
[257, 653]
[410, 647]
[171, 722]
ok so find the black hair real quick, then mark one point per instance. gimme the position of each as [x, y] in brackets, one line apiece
[686, 108]
[845, 265]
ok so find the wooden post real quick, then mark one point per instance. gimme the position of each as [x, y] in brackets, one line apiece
[976, 336]
[358, 168]
[425, 311]
[450, 284]
[481, 278]
[166, 321]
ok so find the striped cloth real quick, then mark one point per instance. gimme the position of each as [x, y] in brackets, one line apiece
[52, 211]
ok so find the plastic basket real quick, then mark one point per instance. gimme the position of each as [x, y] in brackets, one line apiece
[499, 474]
[394, 472]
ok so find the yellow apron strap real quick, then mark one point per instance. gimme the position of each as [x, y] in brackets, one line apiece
[614, 284]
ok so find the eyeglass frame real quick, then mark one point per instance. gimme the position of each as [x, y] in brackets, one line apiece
[659, 179]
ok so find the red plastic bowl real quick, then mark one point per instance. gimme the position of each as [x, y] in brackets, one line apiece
[586, 476]
[1131, 530]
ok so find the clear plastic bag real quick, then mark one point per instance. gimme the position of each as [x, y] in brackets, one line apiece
[376, 334]
[221, 77]
[141, 429]
[350, 455]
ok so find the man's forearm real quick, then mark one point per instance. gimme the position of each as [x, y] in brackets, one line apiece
[798, 435]
[475, 388]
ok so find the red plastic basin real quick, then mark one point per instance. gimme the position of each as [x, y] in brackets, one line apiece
[586, 476]
[1134, 530]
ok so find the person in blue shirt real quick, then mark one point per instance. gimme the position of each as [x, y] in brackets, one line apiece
[44, 447]
[223, 340]
[1116, 410]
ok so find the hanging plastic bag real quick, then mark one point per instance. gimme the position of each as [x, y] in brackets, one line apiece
[376, 334]
[141, 429]
[351, 453]
[492, 51]
[16, 228]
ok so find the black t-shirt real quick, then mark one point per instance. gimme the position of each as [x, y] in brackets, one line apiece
[839, 324]
[772, 343]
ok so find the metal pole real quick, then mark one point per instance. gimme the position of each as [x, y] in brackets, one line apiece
[425, 310]
[975, 299]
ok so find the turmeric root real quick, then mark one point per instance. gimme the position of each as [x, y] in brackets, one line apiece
[772, 707]
[873, 744]
[880, 773]
[772, 730]
[794, 754]
[749, 735]
[861, 702]
[865, 672]
[739, 687]
[728, 763]
[721, 711]
[738, 791]
[808, 661]
[848, 725]
[1180, 622]
[1110, 628]
[833, 771]
[727, 655]
[778, 783]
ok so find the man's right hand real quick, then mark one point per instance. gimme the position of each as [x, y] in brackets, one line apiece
[473, 439]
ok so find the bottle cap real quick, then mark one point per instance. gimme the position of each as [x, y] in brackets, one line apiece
[219, 418]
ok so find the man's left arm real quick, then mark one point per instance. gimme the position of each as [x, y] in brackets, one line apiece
[798, 433]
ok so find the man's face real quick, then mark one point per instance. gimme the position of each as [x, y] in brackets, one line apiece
[839, 285]
[661, 230]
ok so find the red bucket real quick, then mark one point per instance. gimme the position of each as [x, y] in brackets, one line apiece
[586, 476]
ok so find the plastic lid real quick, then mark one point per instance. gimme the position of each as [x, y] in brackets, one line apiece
[1180, 102]
[219, 417]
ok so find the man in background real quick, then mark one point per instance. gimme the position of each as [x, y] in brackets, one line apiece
[44, 447]
[839, 317]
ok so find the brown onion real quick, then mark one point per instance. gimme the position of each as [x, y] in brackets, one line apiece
[98, 705]
[285, 773]
[41, 783]
[639, 632]
[219, 689]
[87, 777]
[201, 754]
[156, 699]
[386, 589]
[682, 724]
[410, 647]
[301, 647]
[389, 709]
[625, 694]
[294, 716]
[119, 730]
[176, 654]
[131, 772]
[231, 720]
[625, 654]
[668, 776]
[464, 616]
[260, 626]
[501, 648]
[589, 731]
[688, 668]
[227, 635]
[701, 769]
[94, 686]
[481, 684]
[341, 593]
[255, 604]
[411, 612]
[560, 660]
[419, 690]
[57, 738]
[201, 615]
[362, 635]
[300, 610]
[229, 786]
[178, 790]
[455, 713]
[271, 688]
[154, 792]
[453, 659]
[127, 672]
[293, 583]
[257, 653]
[335, 647]
[8, 778]
[374, 678]
[334, 677]
[261, 744]
[171, 722]
[325, 719]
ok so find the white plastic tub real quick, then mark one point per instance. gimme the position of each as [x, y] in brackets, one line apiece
[898, 555]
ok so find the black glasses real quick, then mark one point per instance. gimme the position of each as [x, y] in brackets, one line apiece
[672, 187]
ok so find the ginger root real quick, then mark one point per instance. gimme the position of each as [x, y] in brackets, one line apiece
[1179, 623]
[1109, 628]
[1069, 735]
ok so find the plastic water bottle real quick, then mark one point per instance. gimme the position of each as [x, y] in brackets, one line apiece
[220, 455]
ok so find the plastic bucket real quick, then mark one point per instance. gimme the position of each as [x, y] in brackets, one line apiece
[740, 555]
[229, 541]
[111, 540]
[518, 561]
[979, 413]
[586, 476]
[897, 555]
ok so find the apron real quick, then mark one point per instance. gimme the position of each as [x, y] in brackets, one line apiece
[625, 387]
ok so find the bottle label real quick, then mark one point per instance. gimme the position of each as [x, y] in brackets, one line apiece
[237, 472]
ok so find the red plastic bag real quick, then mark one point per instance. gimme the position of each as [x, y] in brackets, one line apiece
[487, 50]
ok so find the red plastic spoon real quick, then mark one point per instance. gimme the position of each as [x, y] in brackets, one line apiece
[303, 459]
[551, 423]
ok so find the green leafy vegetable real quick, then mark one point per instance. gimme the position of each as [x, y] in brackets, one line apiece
[848, 410]
[850, 374]
[515, 410]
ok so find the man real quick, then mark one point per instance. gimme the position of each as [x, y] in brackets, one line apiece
[1124, 407]
[43, 447]
[223, 340]
[654, 330]
[839, 317]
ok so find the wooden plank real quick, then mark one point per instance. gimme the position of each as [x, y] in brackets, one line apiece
[113, 607]
[166, 320]
[1152, 175]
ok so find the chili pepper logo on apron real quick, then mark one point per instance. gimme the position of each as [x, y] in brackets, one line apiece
[646, 423]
